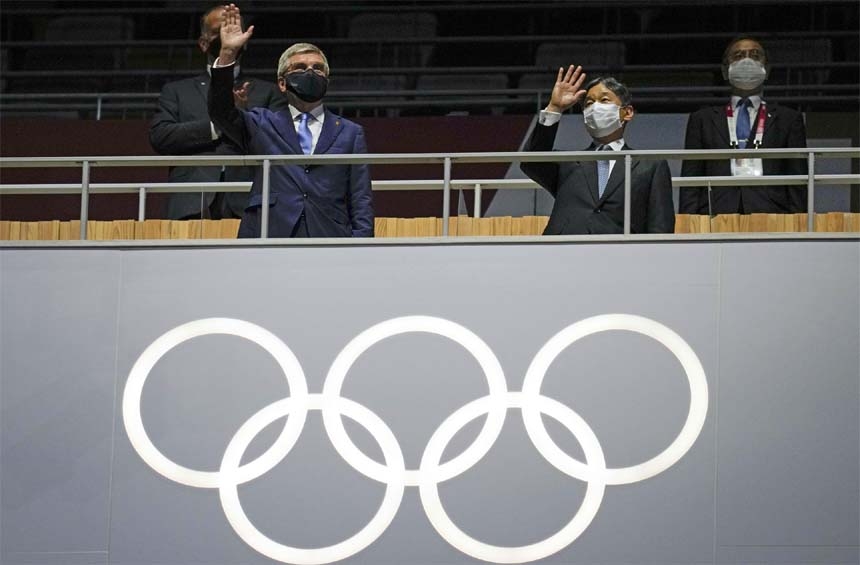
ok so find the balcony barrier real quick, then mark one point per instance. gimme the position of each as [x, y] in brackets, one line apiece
[446, 184]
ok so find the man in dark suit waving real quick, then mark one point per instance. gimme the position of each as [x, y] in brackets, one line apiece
[305, 201]
[589, 195]
[182, 127]
[745, 122]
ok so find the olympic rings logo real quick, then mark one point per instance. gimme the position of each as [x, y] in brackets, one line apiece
[431, 471]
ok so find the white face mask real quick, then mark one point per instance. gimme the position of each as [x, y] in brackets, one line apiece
[747, 74]
[602, 119]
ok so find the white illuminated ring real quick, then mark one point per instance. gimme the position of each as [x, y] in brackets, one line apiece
[539, 550]
[672, 341]
[407, 324]
[368, 534]
[228, 326]
[431, 471]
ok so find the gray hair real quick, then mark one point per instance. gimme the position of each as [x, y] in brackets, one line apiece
[297, 49]
[618, 88]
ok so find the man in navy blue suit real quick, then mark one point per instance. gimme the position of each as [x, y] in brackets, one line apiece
[304, 201]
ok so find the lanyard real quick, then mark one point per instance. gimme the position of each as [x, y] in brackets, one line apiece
[759, 130]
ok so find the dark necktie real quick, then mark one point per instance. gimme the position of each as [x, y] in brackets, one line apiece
[306, 140]
[602, 172]
[743, 122]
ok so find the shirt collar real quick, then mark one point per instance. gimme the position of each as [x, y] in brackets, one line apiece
[317, 113]
[755, 99]
[236, 70]
[616, 145]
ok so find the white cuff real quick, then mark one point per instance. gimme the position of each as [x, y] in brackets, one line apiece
[216, 64]
[215, 133]
[547, 118]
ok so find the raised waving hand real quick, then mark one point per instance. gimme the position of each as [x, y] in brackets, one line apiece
[232, 36]
[567, 90]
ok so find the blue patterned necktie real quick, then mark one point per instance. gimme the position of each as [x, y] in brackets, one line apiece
[602, 172]
[743, 122]
[306, 140]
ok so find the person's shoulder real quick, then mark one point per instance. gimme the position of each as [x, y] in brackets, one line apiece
[783, 111]
[706, 111]
[187, 82]
[344, 122]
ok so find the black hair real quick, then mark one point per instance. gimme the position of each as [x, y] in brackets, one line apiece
[725, 60]
[618, 88]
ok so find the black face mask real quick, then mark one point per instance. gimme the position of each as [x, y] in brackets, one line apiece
[307, 85]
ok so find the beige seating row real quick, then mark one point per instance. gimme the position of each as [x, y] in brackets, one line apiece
[55, 230]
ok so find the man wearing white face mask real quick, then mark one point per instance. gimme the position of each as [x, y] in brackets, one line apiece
[749, 122]
[589, 195]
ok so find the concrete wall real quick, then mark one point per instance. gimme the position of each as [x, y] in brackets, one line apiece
[771, 475]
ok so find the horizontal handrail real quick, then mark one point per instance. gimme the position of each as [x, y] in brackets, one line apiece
[269, 71]
[422, 158]
[447, 160]
[370, 5]
[438, 39]
[385, 93]
[400, 185]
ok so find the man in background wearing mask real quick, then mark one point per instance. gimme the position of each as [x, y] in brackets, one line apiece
[747, 121]
[589, 195]
[182, 127]
[305, 201]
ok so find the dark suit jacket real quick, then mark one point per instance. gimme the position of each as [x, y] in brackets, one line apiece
[181, 127]
[336, 200]
[707, 129]
[577, 208]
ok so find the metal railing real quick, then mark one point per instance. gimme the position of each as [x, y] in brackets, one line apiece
[383, 99]
[445, 184]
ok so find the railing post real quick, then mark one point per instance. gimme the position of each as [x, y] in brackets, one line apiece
[264, 205]
[141, 204]
[628, 162]
[85, 198]
[810, 193]
[446, 195]
[98, 107]
[477, 200]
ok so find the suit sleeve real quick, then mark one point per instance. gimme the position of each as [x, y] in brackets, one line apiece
[693, 200]
[169, 136]
[661, 210]
[545, 174]
[360, 195]
[222, 110]
[797, 195]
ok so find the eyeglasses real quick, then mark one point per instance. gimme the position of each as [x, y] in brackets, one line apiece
[318, 68]
[754, 54]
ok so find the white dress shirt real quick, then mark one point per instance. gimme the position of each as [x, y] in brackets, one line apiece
[315, 122]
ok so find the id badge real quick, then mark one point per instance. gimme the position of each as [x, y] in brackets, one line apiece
[747, 167]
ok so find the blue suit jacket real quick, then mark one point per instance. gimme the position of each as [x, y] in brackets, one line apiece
[335, 199]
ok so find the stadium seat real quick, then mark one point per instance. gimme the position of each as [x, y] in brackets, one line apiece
[799, 51]
[366, 83]
[476, 82]
[384, 26]
[608, 54]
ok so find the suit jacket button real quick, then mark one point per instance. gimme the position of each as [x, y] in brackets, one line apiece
[597, 211]
[305, 194]
[307, 169]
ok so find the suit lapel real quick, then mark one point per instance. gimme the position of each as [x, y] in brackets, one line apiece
[616, 178]
[589, 169]
[770, 120]
[201, 85]
[331, 128]
[721, 125]
[286, 128]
